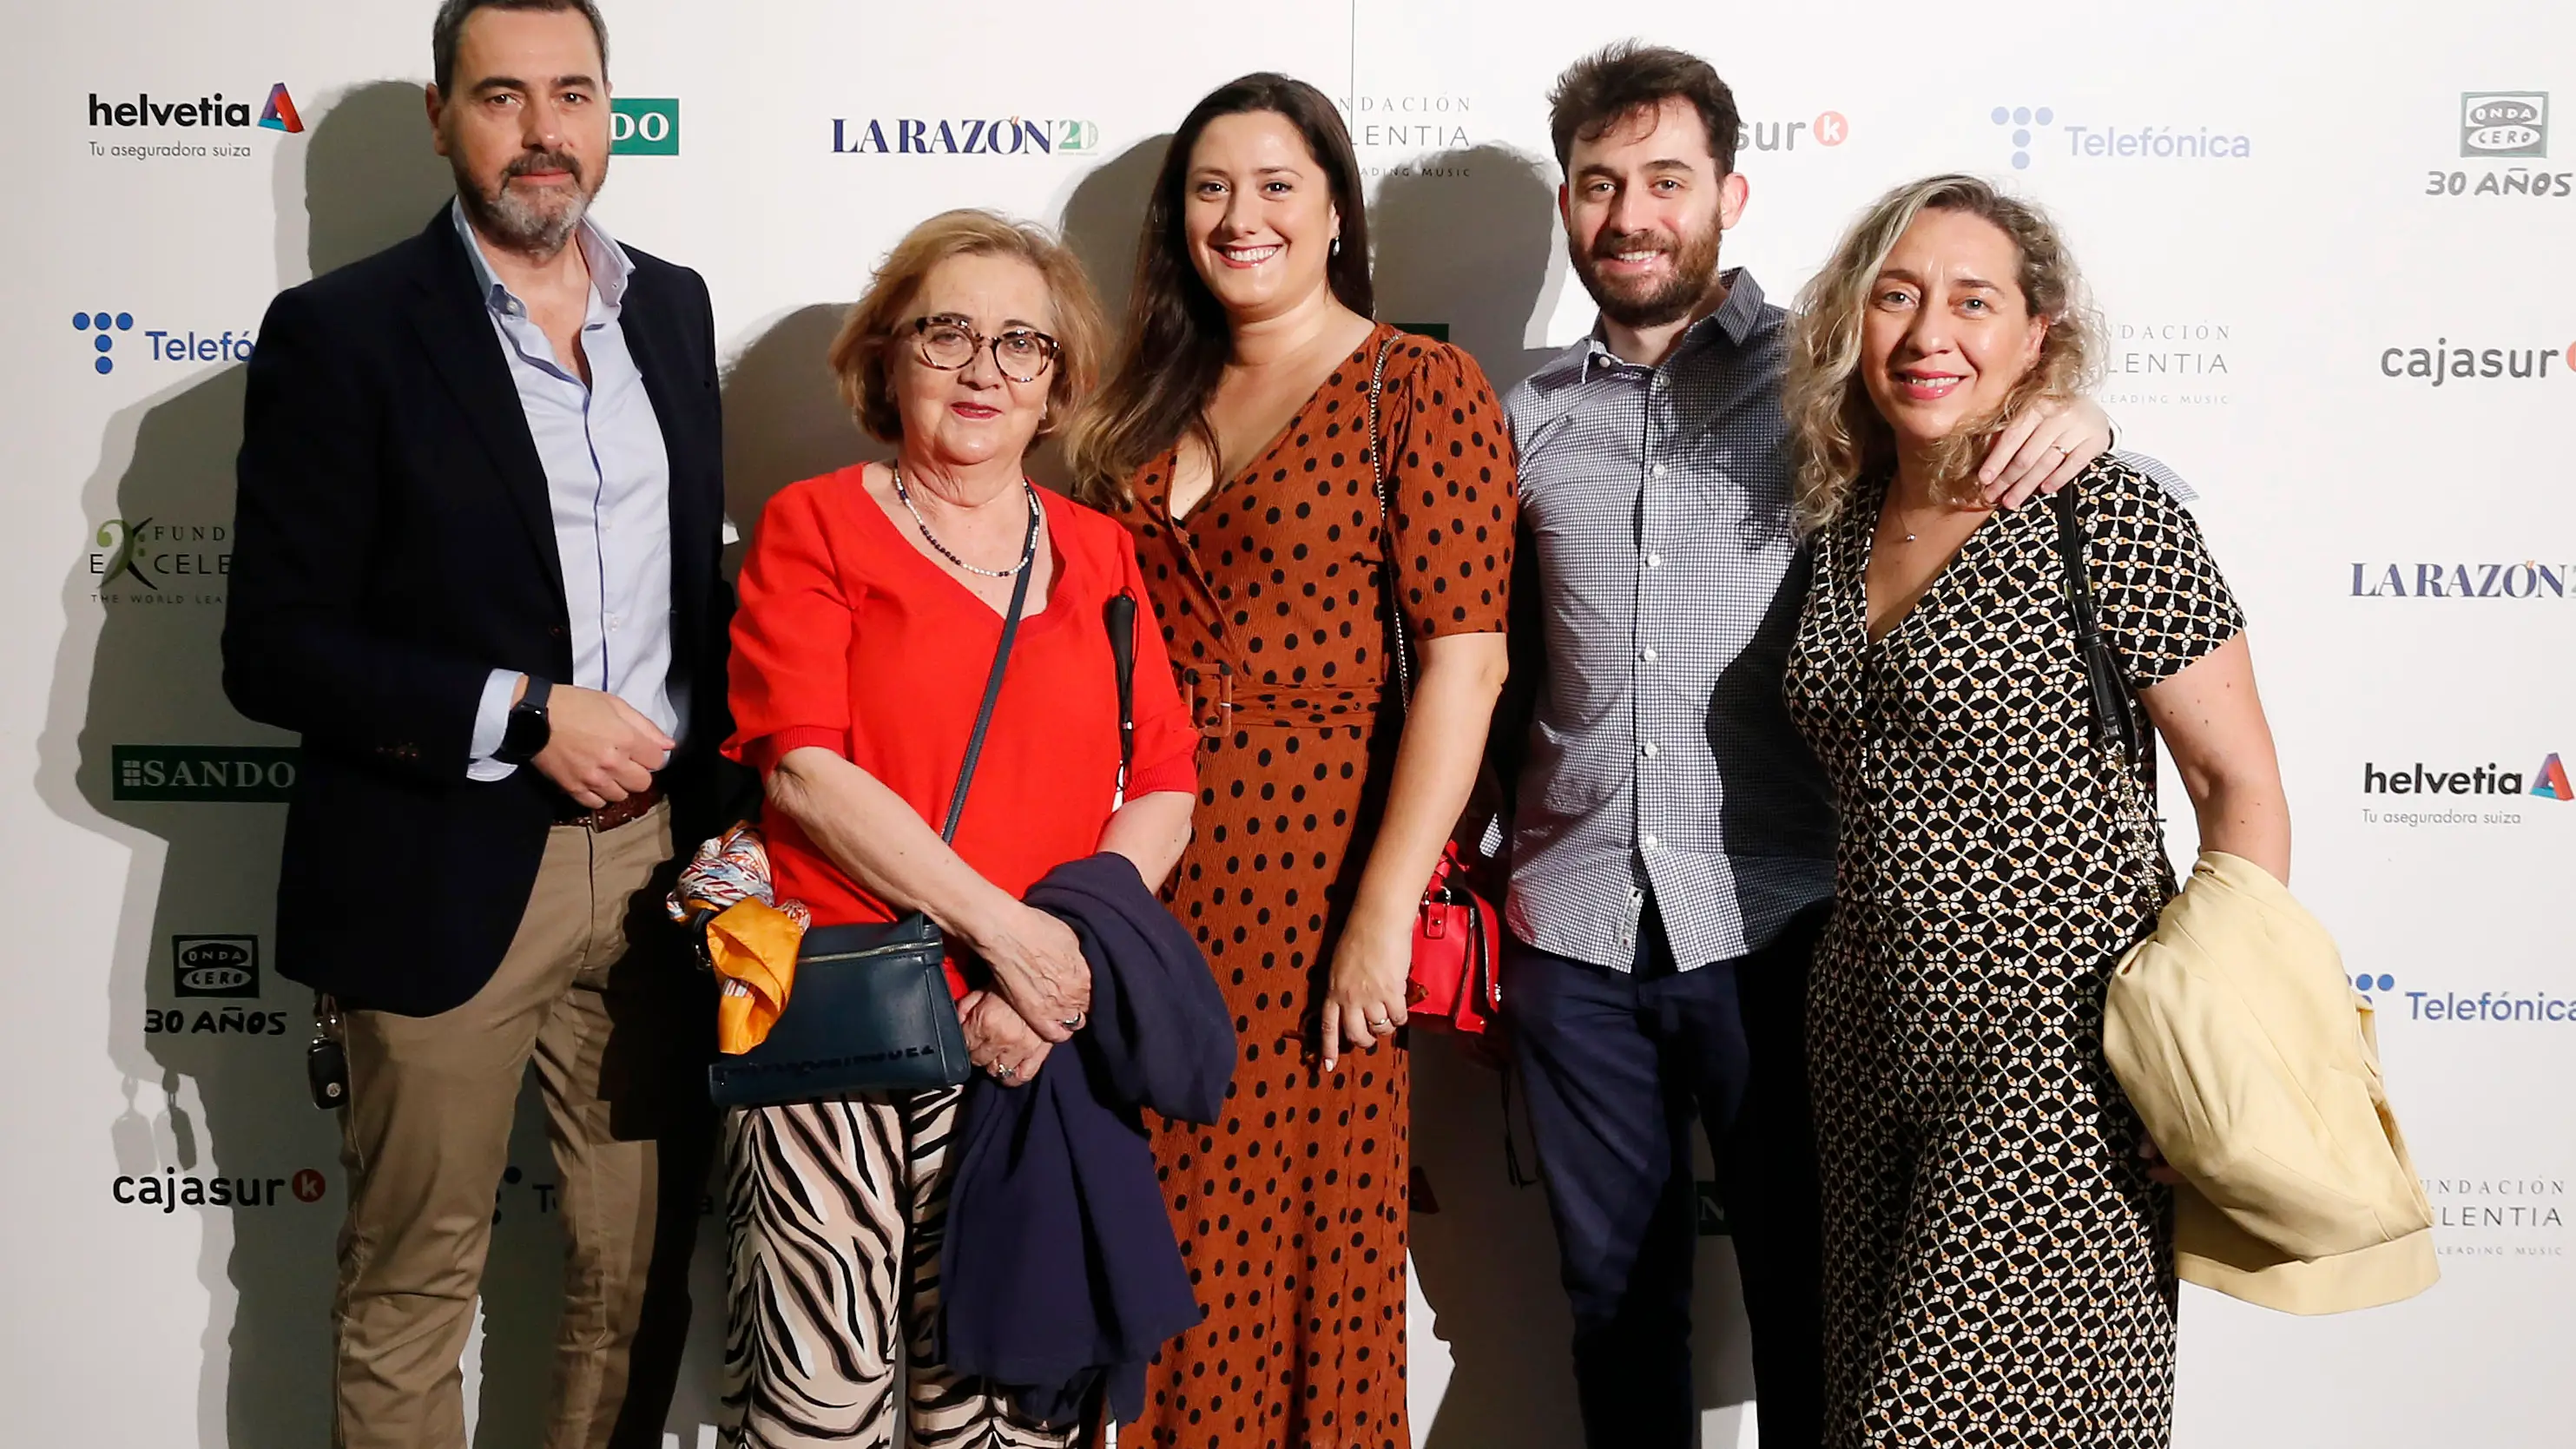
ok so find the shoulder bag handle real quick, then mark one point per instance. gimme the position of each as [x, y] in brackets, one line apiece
[993, 681]
[1386, 528]
[1120, 616]
[2115, 724]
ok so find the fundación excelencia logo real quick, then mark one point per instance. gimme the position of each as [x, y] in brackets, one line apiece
[144, 560]
[2036, 131]
[644, 126]
[1010, 135]
[170, 1190]
[203, 774]
[102, 328]
[187, 115]
[2506, 129]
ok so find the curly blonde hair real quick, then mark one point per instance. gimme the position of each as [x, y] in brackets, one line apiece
[1837, 431]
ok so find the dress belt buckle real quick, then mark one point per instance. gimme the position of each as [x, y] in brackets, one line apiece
[1215, 711]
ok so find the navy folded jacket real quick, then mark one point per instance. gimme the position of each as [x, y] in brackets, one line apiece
[1060, 1273]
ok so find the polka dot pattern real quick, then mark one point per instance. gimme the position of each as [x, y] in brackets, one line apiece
[1291, 1210]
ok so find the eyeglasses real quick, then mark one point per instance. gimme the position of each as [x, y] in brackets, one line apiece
[1022, 353]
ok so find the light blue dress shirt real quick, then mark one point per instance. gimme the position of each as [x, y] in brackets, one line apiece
[608, 476]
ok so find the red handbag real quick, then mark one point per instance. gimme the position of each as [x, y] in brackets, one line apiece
[1454, 981]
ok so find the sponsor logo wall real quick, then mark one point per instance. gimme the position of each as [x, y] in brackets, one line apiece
[2326, 303]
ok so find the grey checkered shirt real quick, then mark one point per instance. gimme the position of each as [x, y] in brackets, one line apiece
[1661, 757]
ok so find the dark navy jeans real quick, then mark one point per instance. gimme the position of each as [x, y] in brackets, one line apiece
[1619, 1068]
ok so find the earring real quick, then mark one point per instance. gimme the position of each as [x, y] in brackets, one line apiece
[1336, 249]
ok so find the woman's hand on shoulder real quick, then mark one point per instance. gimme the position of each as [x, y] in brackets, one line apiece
[2042, 449]
[1038, 965]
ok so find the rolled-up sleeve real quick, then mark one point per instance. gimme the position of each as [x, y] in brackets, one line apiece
[790, 678]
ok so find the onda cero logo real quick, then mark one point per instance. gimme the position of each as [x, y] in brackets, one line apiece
[214, 966]
[2504, 123]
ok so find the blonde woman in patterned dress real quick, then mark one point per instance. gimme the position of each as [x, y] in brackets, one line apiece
[1999, 1265]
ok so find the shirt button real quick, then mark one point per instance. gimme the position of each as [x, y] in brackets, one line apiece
[1648, 749]
[1659, 470]
[1649, 842]
[1646, 654]
[1654, 560]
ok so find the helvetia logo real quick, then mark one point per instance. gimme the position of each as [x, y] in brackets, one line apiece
[2550, 781]
[279, 114]
[2416, 779]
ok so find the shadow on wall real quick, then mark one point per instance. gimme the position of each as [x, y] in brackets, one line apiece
[1467, 239]
[783, 417]
[228, 1068]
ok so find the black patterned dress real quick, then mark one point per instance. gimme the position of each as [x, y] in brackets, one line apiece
[1999, 1269]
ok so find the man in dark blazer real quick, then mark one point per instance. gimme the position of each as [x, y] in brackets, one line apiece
[476, 568]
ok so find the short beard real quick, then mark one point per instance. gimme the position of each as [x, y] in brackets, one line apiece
[1694, 274]
[537, 228]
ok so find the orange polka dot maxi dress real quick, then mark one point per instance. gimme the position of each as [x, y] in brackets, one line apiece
[1291, 1211]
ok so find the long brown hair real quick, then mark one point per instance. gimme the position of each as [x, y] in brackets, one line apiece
[1836, 429]
[1177, 337]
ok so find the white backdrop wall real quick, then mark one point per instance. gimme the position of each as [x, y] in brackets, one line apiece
[2278, 206]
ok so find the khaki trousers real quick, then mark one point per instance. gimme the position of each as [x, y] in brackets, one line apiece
[597, 990]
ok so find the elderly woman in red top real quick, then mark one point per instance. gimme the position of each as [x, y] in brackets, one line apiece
[872, 603]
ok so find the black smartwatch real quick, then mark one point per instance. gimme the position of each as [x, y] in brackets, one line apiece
[529, 728]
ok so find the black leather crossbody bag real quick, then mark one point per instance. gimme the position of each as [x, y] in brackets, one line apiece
[870, 1009]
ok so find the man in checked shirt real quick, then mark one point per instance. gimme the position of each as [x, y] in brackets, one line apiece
[1672, 840]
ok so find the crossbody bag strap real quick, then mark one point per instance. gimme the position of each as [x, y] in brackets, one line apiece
[1119, 614]
[2115, 723]
[993, 681]
[1403, 645]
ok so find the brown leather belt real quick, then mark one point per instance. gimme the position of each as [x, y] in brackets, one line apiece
[611, 815]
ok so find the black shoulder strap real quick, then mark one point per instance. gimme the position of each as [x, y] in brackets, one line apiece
[993, 681]
[2115, 726]
[1120, 615]
[1397, 642]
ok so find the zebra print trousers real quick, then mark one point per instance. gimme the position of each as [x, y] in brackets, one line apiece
[837, 1211]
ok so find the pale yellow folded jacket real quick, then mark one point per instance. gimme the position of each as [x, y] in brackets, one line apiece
[2255, 1066]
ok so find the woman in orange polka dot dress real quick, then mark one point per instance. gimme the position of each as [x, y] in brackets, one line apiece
[1238, 455]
